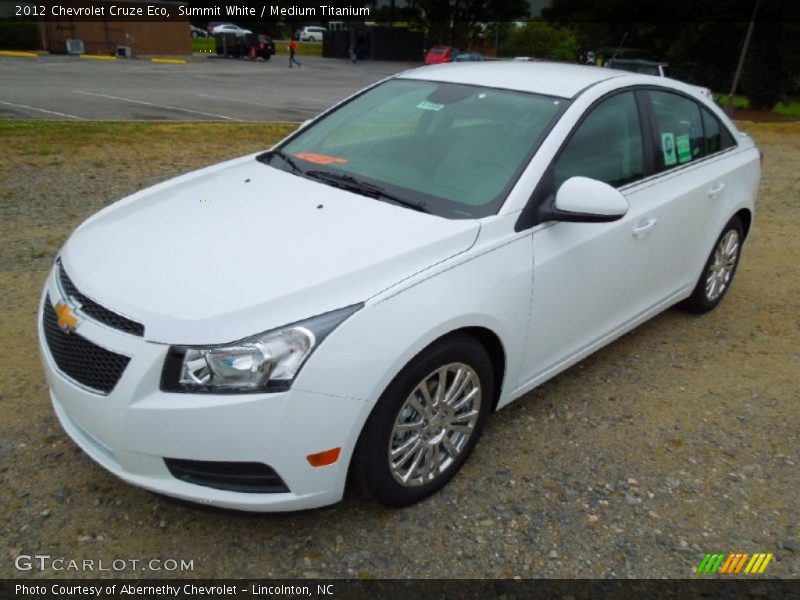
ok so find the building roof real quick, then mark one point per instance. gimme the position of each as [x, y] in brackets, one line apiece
[551, 78]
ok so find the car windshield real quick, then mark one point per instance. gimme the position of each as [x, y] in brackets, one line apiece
[450, 149]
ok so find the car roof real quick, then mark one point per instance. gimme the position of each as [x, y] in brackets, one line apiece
[549, 78]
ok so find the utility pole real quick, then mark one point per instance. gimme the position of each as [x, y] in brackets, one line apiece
[729, 110]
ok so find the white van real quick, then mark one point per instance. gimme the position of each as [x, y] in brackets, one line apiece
[312, 34]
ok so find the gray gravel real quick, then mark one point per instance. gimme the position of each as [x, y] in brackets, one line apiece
[679, 439]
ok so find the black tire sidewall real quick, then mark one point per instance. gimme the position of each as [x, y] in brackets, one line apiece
[372, 459]
[698, 301]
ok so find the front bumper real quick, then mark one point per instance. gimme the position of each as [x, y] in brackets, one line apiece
[132, 429]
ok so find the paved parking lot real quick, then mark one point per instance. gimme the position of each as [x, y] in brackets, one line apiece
[207, 89]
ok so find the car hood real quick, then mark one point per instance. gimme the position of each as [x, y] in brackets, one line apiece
[236, 249]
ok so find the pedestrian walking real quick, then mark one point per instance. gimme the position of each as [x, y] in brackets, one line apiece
[292, 52]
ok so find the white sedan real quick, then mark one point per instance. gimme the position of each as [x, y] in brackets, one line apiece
[231, 28]
[359, 299]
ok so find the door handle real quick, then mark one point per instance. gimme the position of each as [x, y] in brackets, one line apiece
[715, 189]
[644, 227]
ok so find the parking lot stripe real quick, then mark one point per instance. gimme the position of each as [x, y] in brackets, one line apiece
[169, 61]
[18, 54]
[279, 107]
[121, 99]
[97, 57]
[50, 112]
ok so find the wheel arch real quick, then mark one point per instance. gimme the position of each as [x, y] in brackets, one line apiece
[494, 348]
[490, 341]
[746, 215]
[486, 337]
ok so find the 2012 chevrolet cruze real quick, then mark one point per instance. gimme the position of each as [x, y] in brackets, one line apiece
[357, 300]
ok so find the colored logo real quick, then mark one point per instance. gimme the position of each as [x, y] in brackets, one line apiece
[67, 321]
[737, 562]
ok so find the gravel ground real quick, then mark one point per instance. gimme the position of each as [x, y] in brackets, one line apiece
[680, 438]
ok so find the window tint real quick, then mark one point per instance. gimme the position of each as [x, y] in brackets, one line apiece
[717, 135]
[607, 146]
[679, 130]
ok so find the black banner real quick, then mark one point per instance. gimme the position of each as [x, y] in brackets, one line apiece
[735, 587]
[385, 11]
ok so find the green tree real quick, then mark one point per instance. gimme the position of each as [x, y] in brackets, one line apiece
[542, 40]
[459, 23]
[701, 41]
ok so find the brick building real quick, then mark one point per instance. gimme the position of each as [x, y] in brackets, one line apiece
[105, 35]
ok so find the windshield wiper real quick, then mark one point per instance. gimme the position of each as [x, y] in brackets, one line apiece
[350, 183]
[283, 156]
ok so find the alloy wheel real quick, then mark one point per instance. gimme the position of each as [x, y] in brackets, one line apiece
[434, 424]
[721, 270]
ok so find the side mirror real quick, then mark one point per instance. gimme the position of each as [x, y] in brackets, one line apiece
[584, 200]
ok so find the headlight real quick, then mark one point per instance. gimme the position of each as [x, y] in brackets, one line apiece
[266, 362]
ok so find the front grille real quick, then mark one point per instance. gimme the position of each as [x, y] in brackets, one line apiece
[248, 477]
[79, 359]
[92, 309]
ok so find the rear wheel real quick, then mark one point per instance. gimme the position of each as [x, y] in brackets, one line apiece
[426, 424]
[719, 269]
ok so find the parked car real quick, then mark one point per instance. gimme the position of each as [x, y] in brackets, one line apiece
[250, 45]
[262, 46]
[214, 24]
[647, 67]
[230, 28]
[353, 306]
[468, 57]
[440, 54]
[311, 34]
[197, 32]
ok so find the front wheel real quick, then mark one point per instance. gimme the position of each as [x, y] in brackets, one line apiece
[719, 269]
[426, 424]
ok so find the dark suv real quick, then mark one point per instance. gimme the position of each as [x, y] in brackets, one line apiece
[253, 45]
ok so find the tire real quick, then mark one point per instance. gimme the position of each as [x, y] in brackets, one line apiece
[719, 270]
[423, 467]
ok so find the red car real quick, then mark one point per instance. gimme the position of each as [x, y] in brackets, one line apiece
[440, 54]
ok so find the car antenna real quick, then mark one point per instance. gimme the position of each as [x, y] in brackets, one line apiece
[619, 46]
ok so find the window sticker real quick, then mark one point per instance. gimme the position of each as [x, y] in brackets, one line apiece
[321, 159]
[425, 105]
[684, 148]
[668, 149]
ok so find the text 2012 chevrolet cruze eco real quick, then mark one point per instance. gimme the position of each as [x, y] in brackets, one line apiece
[356, 301]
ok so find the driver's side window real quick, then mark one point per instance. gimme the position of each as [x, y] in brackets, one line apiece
[607, 146]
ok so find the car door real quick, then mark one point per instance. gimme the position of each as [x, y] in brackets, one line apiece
[591, 280]
[691, 163]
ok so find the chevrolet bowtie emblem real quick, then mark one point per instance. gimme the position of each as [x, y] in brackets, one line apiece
[67, 321]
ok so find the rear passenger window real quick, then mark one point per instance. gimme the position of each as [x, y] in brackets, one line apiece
[607, 145]
[680, 130]
[718, 137]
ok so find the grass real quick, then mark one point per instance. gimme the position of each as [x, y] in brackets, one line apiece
[203, 45]
[738, 101]
[788, 108]
[303, 48]
[207, 45]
